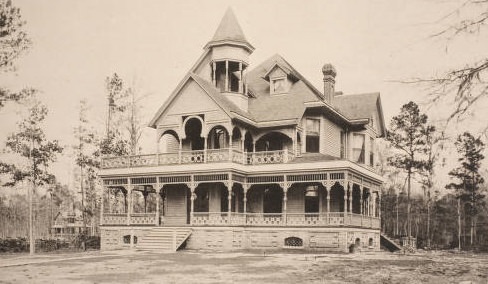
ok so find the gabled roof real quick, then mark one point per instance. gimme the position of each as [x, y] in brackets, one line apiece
[360, 106]
[291, 106]
[229, 31]
[227, 106]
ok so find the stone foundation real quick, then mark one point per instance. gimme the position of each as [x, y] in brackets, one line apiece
[259, 238]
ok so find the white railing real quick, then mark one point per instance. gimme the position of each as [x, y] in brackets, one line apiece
[114, 219]
[199, 156]
[143, 218]
[254, 219]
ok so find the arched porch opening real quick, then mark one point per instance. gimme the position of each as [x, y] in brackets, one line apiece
[144, 199]
[169, 142]
[237, 198]
[273, 141]
[248, 142]
[337, 198]
[237, 142]
[218, 138]
[193, 133]
[356, 199]
[177, 209]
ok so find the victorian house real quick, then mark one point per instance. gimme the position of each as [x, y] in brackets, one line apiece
[250, 157]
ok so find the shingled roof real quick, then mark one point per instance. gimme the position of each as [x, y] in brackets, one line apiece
[359, 106]
[267, 107]
[229, 31]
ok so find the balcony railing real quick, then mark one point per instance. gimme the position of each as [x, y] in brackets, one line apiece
[199, 156]
[332, 219]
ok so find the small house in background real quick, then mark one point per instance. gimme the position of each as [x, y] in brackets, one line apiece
[250, 157]
[70, 224]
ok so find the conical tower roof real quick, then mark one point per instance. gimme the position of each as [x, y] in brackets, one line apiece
[229, 32]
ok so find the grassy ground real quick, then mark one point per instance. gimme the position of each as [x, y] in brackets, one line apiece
[246, 267]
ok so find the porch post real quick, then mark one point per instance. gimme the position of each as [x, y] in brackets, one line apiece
[226, 76]
[229, 199]
[110, 210]
[205, 149]
[379, 205]
[328, 190]
[192, 187]
[180, 149]
[158, 199]
[242, 149]
[350, 184]
[129, 201]
[345, 197]
[230, 147]
[240, 77]
[361, 198]
[374, 206]
[285, 187]
[101, 204]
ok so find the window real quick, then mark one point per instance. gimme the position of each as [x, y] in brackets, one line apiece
[358, 148]
[313, 135]
[371, 151]
[278, 86]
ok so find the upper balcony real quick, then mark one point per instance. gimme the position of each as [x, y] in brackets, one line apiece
[199, 156]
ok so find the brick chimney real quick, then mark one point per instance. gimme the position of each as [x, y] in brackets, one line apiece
[329, 82]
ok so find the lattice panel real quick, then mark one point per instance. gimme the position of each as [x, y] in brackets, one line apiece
[265, 179]
[175, 179]
[143, 180]
[115, 181]
[307, 177]
[214, 177]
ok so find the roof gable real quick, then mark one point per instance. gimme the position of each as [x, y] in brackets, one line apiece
[362, 106]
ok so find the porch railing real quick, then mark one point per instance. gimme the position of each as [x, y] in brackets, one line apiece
[199, 156]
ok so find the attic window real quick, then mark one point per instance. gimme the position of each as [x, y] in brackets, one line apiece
[278, 85]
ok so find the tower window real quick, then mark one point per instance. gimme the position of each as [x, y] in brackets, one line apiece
[227, 75]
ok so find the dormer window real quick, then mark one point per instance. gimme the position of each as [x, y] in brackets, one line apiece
[278, 85]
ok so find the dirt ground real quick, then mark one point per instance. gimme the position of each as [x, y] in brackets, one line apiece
[244, 267]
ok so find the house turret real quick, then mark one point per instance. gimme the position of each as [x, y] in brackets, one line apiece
[230, 53]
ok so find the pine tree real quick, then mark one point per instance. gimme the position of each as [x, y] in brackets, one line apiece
[468, 178]
[407, 133]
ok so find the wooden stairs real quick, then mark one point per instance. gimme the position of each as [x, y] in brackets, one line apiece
[389, 244]
[162, 239]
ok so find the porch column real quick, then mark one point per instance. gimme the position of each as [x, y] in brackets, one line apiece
[379, 205]
[242, 150]
[101, 204]
[192, 187]
[245, 188]
[345, 197]
[226, 76]
[230, 147]
[351, 185]
[158, 199]
[240, 77]
[361, 198]
[110, 210]
[129, 201]
[285, 187]
[180, 149]
[374, 205]
[229, 199]
[205, 149]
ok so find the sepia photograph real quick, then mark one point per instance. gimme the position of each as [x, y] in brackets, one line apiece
[233, 141]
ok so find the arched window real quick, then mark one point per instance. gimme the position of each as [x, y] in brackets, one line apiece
[293, 242]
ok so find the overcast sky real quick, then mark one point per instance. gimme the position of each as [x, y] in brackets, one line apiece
[373, 44]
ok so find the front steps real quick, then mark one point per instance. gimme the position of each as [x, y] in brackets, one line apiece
[389, 244]
[162, 239]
